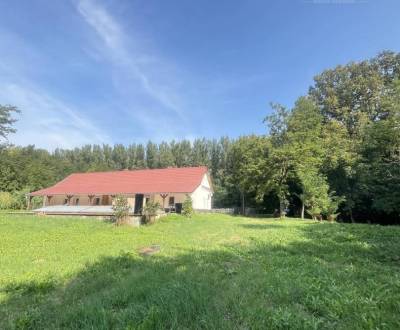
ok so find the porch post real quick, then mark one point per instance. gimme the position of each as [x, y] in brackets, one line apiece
[163, 196]
[69, 197]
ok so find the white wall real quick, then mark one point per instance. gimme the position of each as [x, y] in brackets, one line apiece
[202, 196]
[178, 197]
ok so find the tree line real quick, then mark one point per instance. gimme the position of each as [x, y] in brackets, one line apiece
[335, 154]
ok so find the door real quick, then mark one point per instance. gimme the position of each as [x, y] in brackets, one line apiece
[104, 200]
[138, 203]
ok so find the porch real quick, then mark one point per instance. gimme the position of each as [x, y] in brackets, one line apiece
[102, 210]
[102, 204]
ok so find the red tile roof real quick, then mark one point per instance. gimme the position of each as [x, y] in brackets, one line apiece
[167, 180]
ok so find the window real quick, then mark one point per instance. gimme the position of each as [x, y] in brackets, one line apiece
[147, 200]
[97, 201]
[77, 201]
[171, 201]
[65, 201]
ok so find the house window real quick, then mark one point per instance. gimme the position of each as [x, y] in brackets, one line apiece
[66, 201]
[97, 201]
[171, 201]
[77, 201]
[147, 200]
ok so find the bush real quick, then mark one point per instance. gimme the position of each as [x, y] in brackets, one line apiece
[187, 207]
[19, 198]
[332, 207]
[121, 210]
[6, 201]
[150, 211]
[37, 202]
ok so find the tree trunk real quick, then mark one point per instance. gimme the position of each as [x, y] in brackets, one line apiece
[243, 206]
[281, 208]
[302, 210]
[351, 215]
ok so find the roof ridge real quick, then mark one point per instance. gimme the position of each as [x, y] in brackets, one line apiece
[141, 169]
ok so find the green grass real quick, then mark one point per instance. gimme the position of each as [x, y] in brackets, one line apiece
[212, 272]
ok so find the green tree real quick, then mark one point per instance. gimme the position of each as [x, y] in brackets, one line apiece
[166, 159]
[121, 209]
[152, 155]
[120, 157]
[150, 211]
[187, 207]
[305, 142]
[140, 161]
[199, 153]
[352, 94]
[379, 166]
[131, 154]
[7, 120]
[281, 160]
[247, 168]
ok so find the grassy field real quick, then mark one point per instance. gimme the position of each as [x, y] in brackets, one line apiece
[212, 272]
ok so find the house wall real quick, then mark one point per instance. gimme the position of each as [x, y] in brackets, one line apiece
[179, 198]
[84, 200]
[202, 196]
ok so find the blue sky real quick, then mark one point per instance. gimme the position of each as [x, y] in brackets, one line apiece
[129, 71]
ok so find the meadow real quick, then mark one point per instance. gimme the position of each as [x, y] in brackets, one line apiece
[208, 272]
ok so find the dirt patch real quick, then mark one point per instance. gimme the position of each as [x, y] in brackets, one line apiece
[149, 250]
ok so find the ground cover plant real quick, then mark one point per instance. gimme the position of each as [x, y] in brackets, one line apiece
[210, 271]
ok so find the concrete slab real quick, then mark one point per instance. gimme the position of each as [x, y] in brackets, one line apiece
[77, 209]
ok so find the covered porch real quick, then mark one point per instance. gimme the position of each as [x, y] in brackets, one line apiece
[99, 210]
[92, 204]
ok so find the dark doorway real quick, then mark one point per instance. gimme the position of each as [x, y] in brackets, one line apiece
[138, 203]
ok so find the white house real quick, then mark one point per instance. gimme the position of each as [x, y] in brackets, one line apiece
[93, 193]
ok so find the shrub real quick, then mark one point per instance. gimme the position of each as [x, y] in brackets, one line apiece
[332, 207]
[187, 207]
[37, 202]
[150, 211]
[121, 210]
[19, 198]
[315, 213]
[6, 201]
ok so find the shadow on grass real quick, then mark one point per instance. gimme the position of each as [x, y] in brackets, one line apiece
[334, 276]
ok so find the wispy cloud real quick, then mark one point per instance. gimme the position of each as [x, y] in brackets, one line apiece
[127, 54]
[46, 121]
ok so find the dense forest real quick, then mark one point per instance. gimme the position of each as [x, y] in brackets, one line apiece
[335, 154]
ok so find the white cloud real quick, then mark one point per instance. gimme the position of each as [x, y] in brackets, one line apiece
[149, 70]
[48, 122]
[144, 88]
